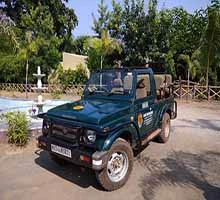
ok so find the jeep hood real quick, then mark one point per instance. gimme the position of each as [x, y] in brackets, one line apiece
[92, 111]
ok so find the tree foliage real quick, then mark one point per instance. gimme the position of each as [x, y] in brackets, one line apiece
[8, 38]
[100, 24]
[10, 69]
[49, 25]
[99, 49]
[210, 46]
[64, 18]
[78, 45]
[79, 75]
[180, 39]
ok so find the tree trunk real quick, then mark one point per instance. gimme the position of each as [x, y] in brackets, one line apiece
[207, 70]
[26, 78]
[101, 61]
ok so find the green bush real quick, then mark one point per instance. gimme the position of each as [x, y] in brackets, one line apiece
[17, 127]
[56, 94]
[73, 77]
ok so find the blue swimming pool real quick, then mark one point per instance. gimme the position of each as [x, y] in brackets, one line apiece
[8, 104]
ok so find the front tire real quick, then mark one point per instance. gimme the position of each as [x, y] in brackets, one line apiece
[119, 166]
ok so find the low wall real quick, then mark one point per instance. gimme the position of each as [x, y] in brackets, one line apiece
[180, 90]
[75, 90]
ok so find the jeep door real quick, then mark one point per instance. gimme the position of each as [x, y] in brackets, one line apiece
[145, 103]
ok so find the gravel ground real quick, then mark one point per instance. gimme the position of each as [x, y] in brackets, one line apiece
[185, 168]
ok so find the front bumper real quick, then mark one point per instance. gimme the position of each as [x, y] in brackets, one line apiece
[96, 160]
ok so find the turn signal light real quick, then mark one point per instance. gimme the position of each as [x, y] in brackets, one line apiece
[41, 143]
[85, 158]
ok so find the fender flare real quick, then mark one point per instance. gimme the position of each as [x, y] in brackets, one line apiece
[126, 129]
[167, 108]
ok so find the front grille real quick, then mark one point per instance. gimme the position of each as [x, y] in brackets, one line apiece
[69, 134]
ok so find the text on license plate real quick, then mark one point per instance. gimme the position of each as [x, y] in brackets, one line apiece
[61, 150]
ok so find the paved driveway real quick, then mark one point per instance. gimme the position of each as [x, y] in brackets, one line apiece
[187, 167]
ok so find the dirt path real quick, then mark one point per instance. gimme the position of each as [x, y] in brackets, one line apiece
[186, 168]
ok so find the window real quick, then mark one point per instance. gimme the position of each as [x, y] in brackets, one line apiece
[110, 82]
[143, 88]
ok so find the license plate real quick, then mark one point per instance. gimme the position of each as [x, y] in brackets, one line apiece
[61, 150]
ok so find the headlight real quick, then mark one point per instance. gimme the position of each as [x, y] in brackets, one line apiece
[90, 137]
[46, 127]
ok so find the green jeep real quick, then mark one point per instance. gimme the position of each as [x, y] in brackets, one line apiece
[120, 112]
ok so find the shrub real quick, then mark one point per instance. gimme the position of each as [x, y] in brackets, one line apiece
[65, 78]
[56, 94]
[17, 127]
[71, 77]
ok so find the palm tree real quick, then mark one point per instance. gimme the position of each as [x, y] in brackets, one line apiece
[191, 63]
[30, 48]
[102, 47]
[210, 46]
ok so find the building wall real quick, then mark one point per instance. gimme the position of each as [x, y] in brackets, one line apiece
[70, 61]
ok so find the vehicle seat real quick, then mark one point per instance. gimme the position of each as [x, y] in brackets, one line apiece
[128, 79]
[141, 92]
[117, 85]
[145, 91]
[163, 83]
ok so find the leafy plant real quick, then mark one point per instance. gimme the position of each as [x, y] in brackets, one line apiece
[99, 49]
[161, 36]
[17, 127]
[71, 77]
[100, 24]
[56, 94]
[210, 48]
[78, 45]
[34, 35]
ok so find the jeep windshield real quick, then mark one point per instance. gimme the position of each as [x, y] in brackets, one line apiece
[110, 82]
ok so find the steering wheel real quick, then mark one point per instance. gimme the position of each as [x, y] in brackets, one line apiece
[103, 88]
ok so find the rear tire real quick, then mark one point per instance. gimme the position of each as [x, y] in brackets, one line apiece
[165, 132]
[118, 168]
